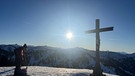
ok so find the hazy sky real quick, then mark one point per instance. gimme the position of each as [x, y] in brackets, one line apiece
[46, 22]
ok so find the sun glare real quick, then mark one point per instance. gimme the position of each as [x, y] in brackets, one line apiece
[69, 35]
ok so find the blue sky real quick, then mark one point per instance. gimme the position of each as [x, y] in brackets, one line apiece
[46, 22]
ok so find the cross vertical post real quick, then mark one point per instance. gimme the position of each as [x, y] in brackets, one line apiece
[97, 71]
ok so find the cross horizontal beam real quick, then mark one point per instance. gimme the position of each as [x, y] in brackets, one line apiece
[100, 30]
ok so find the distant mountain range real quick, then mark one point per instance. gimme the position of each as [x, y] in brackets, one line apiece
[111, 62]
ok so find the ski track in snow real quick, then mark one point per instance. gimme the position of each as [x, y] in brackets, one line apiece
[49, 71]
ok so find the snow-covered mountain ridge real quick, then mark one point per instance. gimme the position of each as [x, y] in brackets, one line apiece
[111, 62]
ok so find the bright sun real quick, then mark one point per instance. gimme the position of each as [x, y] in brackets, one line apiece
[69, 35]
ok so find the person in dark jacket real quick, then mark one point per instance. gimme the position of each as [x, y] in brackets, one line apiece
[19, 58]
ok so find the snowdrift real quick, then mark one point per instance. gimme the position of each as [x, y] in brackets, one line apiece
[48, 71]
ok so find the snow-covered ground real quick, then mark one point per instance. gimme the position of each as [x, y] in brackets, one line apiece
[48, 71]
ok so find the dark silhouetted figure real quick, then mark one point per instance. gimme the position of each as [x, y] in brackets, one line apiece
[20, 54]
[3, 60]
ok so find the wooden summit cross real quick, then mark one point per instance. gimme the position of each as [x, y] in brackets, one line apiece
[97, 69]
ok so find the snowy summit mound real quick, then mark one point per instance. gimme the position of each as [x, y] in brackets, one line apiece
[48, 71]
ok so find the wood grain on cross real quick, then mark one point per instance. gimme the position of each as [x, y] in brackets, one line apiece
[97, 69]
